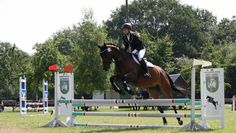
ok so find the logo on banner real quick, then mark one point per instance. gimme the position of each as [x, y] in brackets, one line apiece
[64, 85]
[212, 82]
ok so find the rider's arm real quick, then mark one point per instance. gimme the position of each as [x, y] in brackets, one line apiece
[138, 43]
[126, 44]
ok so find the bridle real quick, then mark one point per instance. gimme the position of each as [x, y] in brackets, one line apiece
[104, 51]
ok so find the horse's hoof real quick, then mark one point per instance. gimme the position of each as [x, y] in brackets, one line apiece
[180, 122]
[165, 123]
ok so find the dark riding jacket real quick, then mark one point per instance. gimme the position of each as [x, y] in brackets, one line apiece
[134, 42]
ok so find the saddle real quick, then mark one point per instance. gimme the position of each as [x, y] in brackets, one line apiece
[149, 64]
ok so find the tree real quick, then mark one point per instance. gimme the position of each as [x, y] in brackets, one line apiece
[13, 63]
[230, 73]
[159, 51]
[46, 54]
[89, 76]
[187, 27]
[225, 32]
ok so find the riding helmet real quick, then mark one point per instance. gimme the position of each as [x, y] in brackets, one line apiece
[127, 25]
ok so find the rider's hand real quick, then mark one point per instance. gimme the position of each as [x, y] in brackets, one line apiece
[135, 51]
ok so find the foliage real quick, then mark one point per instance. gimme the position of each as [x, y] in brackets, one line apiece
[159, 51]
[225, 32]
[46, 54]
[75, 46]
[90, 77]
[187, 27]
[13, 63]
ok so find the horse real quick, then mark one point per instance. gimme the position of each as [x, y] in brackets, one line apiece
[211, 100]
[128, 71]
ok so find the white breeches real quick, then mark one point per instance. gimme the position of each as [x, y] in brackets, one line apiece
[140, 54]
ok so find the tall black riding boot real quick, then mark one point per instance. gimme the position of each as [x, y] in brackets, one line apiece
[145, 68]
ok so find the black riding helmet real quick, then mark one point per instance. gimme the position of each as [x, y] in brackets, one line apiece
[127, 25]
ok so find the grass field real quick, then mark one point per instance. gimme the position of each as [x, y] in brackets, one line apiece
[11, 122]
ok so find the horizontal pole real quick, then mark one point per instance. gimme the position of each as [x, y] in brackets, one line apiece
[132, 114]
[35, 109]
[128, 102]
[126, 126]
[34, 103]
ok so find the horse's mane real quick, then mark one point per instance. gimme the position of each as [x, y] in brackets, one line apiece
[112, 45]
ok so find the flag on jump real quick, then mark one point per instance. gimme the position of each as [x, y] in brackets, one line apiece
[68, 68]
[53, 67]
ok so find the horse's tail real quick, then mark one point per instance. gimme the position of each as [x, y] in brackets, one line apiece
[173, 85]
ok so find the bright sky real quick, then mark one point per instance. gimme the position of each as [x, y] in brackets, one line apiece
[26, 22]
[219, 8]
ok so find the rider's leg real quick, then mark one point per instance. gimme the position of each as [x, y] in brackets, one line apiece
[145, 68]
[142, 62]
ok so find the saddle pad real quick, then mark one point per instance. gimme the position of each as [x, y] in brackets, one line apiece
[149, 64]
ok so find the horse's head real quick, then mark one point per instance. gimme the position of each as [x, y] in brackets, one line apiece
[107, 54]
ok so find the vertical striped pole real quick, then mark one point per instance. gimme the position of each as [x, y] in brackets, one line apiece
[45, 97]
[22, 96]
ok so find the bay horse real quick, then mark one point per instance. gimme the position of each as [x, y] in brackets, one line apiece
[128, 71]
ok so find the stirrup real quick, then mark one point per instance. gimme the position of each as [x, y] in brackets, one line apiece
[147, 75]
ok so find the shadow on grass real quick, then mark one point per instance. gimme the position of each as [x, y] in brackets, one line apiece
[114, 130]
[125, 130]
[187, 130]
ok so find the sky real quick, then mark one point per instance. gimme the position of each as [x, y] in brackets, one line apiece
[27, 22]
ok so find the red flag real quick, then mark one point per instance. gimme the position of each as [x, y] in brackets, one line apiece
[53, 67]
[68, 68]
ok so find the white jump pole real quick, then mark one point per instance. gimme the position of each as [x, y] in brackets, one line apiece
[193, 126]
[124, 125]
[234, 102]
[132, 114]
[128, 102]
[193, 99]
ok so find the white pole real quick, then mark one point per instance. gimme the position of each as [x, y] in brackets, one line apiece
[193, 97]
[223, 100]
[233, 99]
[55, 95]
[234, 105]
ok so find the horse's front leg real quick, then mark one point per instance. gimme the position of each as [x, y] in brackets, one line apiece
[129, 77]
[127, 88]
[114, 85]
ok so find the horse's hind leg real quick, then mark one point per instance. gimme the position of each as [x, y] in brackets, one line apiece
[164, 119]
[168, 94]
[153, 92]
[179, 120]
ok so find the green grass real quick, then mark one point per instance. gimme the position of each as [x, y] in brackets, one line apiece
[12, 122]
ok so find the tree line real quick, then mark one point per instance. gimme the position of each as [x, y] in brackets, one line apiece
[173, 33]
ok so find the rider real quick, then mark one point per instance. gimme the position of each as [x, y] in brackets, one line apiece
[134, 45]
